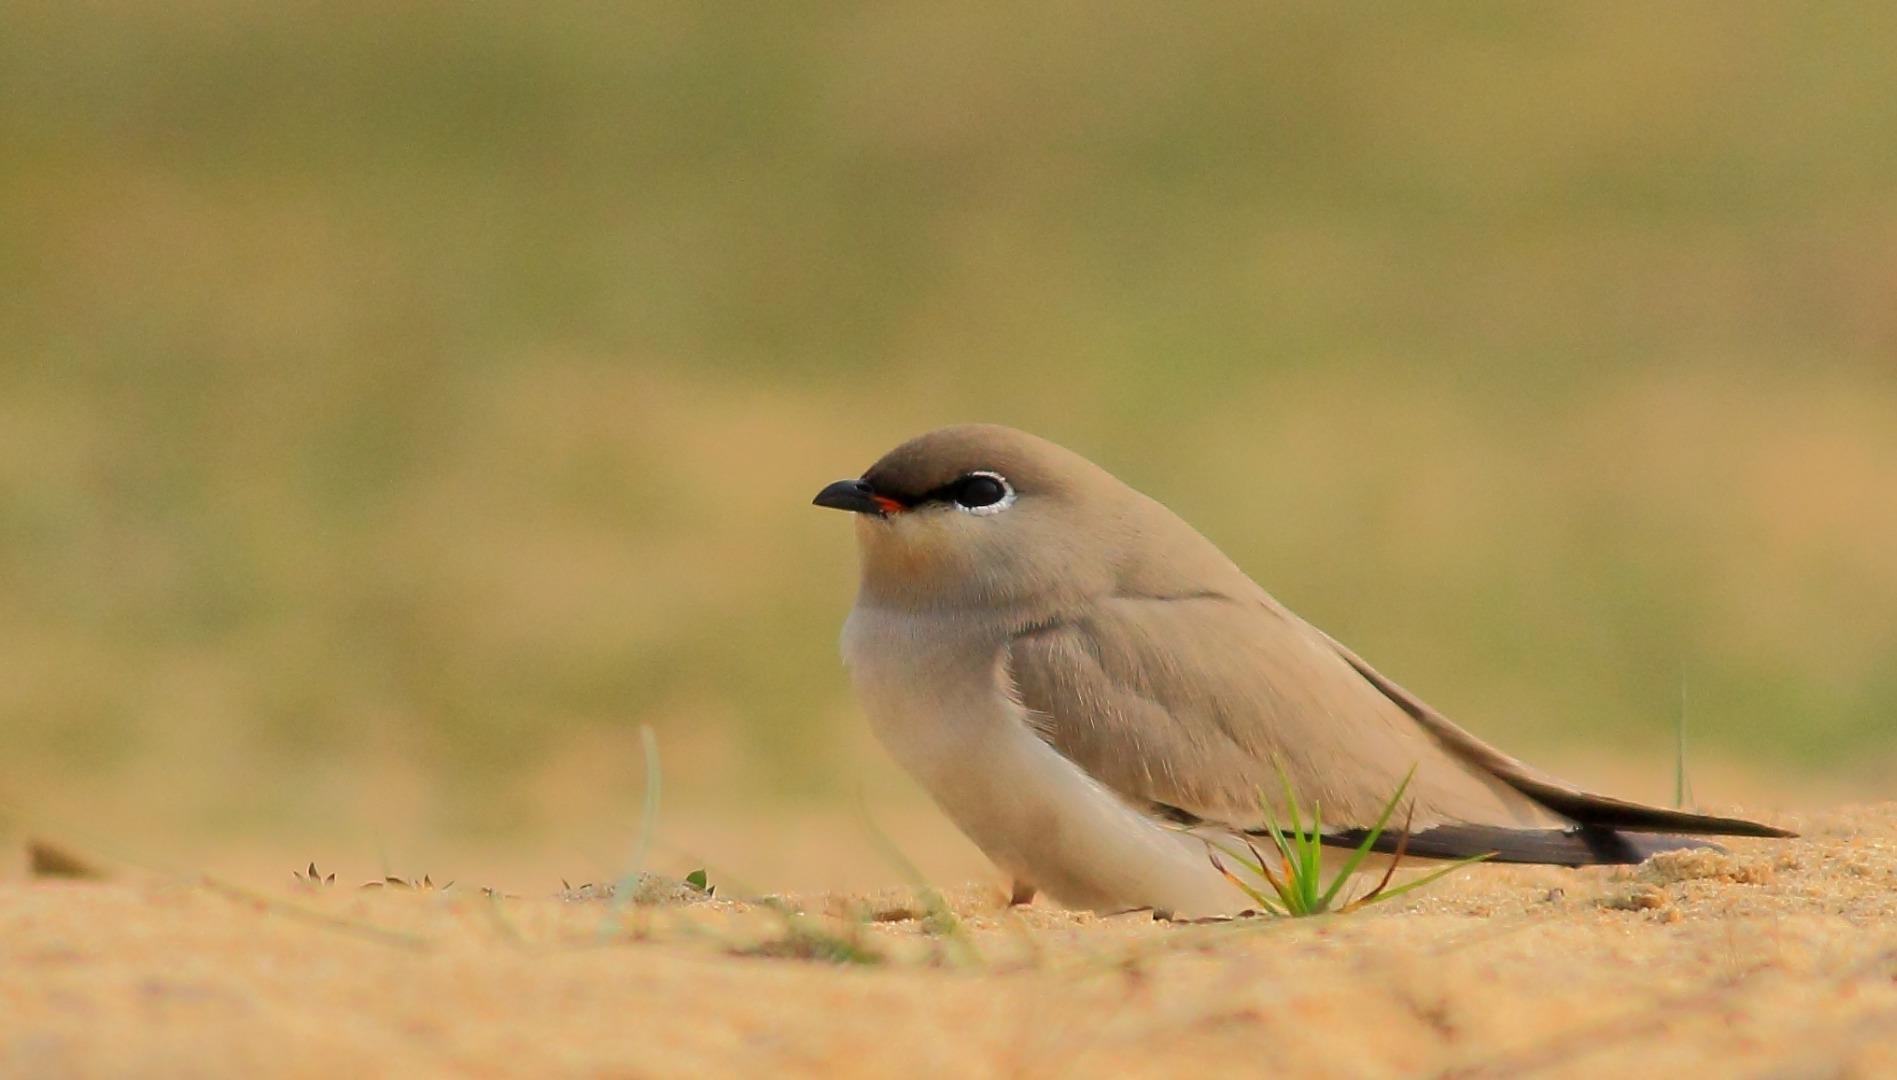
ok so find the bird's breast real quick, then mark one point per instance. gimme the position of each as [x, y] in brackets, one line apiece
[935, 693]
[929, 683]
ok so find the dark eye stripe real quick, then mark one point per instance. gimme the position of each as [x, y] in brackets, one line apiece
[976, 489]
[972, 490]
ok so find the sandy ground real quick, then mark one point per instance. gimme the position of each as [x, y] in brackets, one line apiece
[1778, 959]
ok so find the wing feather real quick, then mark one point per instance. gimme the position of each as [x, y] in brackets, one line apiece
[1197, 703]
[1193, 704]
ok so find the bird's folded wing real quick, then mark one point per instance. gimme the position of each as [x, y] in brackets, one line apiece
[1193, 706]
[1196, 704]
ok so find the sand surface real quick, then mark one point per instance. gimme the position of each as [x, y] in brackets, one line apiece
[1778, 959]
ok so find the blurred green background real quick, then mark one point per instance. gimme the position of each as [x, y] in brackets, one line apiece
[402, 402]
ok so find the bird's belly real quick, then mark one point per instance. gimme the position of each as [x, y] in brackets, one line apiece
[944, 716]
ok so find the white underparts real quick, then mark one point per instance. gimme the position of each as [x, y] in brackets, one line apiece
[945, 716]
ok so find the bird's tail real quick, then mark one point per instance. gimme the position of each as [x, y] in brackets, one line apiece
[1584, 845]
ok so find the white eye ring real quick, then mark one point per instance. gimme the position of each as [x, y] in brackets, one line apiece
[996, 507]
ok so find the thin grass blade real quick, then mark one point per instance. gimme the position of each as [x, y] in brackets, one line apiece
[1402, 848]
[1370, 839]
[648, 825]
[1278, 840]
[1278, 885]
[1432, 876]
[1256, 897]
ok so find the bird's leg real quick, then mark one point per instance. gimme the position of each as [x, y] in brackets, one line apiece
[1022, 893]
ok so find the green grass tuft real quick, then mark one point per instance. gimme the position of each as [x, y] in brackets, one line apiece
[1297, 886]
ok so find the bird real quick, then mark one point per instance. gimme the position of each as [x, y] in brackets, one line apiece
[1093, 692]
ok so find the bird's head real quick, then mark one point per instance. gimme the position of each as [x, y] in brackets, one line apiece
[983, 515]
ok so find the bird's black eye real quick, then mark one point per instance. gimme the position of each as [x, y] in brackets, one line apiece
[981, 490]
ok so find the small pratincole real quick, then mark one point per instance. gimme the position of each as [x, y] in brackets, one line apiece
[1091, 690]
